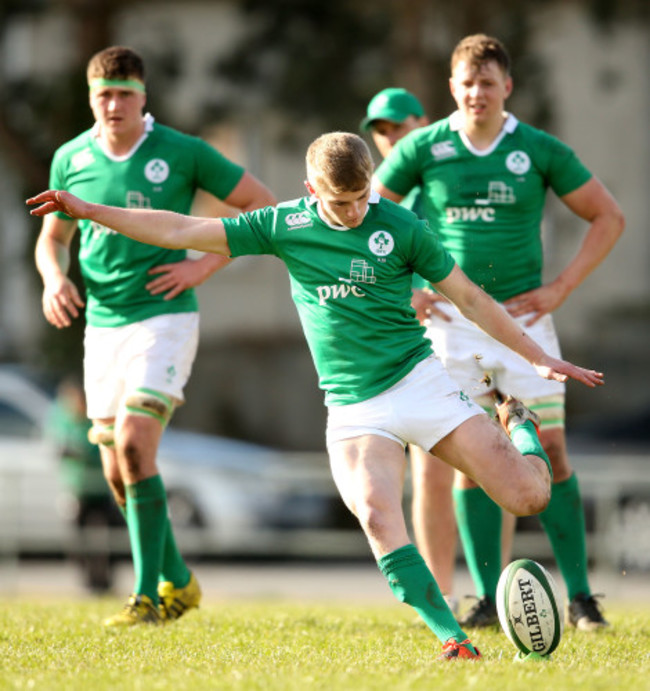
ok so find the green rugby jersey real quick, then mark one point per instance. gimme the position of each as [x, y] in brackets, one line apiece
[487, 206]
[163, 172]
[352, 288]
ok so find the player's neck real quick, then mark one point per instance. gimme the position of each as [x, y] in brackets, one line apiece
[482, 135]
[120, 143]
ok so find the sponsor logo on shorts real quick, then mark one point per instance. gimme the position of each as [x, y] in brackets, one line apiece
[156, 171]
[300, 219]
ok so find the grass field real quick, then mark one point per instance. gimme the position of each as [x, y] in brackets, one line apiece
[288, 646]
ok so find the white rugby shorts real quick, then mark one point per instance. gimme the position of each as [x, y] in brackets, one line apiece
[469, 353]
[422, 408]
[155, 353]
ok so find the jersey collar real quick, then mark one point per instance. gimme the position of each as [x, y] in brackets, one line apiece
[456, 125]
[148, 120]
[313, 201]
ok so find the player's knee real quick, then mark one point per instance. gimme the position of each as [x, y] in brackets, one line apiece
[102, 433]
[372, 520]
[532, 499]
[149, 403]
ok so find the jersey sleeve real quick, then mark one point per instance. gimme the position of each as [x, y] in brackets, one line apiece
[564, 170]
[251, 232]
[58, 179]
[215, 173]
[399, 171]
[429, 259]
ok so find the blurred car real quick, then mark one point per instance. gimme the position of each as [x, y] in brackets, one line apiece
[226, 497]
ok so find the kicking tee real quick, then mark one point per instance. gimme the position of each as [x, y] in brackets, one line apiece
[163, 171]
[351, 286]
[487, 205]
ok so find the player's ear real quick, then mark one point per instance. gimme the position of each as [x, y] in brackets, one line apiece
[309, 187]
[508, 88]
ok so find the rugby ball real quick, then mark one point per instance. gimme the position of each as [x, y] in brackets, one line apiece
[530, 607]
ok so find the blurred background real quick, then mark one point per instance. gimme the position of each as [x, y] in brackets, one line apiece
[260, 79]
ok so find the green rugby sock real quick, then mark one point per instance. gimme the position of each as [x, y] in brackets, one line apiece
[526, 440]
[479, 526]
[412, 583]
[146, 508]
[174, 568]
[564, 523]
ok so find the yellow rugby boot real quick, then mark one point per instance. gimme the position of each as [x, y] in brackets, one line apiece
[139, 609]
[174, 602]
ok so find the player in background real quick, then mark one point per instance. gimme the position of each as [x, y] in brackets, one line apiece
[350, 259]
[391, 114]
[142, 322]
[485, 177]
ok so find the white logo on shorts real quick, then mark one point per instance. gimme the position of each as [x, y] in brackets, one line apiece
[518, 162]
[156, 170]
[381, 243]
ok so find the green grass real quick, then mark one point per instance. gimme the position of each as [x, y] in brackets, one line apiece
[289, 646]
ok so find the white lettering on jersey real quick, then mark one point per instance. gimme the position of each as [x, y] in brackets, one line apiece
[442, 150]
[469, 213]
[518, 162]
[156, 171]
[298, 220]
[338, 291]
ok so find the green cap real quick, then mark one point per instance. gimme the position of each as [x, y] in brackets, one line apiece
[392, 104]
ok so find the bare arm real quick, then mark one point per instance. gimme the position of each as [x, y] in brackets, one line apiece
[250, 194]
[381, 189]
[593, 203]
[173, 279]
[161, 228]
[480, 308]
[61, 300]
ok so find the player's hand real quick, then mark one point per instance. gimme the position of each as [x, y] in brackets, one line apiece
[536, 303]
[57, 200]
[61, 302]
[561, 370]
[424, 302]
[173, 279]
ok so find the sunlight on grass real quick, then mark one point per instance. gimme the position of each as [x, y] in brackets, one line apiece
[286, 646]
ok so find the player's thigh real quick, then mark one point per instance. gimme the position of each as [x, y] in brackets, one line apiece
[368, 471]
[429, 473]
[481, 450]
[161, 353]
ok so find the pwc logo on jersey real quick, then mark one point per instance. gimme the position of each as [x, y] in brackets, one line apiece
[360, 272]
[300, 219]
[156, 171]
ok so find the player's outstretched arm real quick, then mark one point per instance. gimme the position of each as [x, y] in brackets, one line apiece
[153, 227]
[488, 315]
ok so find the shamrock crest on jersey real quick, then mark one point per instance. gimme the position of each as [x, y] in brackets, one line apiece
[381, 243]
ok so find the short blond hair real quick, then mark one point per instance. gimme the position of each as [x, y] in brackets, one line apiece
[478, 49]
[340, 161]
[115, 62]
